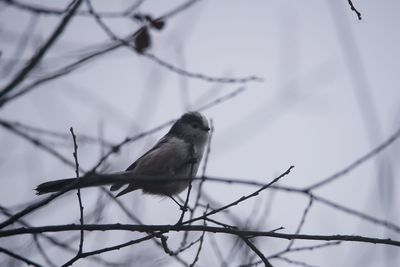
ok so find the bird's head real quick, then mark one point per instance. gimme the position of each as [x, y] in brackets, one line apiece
[192, 127]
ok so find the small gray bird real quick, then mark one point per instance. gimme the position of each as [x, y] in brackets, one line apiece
[177, 155]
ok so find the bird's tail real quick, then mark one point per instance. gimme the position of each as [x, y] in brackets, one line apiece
[55, 186]
[75, 183]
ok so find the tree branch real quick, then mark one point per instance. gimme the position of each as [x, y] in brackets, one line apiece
[80, 248]
[36, 58]
[354, 9]
[193, 228]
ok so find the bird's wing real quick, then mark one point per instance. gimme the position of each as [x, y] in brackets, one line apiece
[131, 167]
[156, 146]
[165, 158]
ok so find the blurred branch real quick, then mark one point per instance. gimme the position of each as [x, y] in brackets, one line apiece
[42, 251]
[91, 55]
[60, 72]
[116, 148]
[44, 10]
[357, 162]
[36, 58]
[12, 128]
[257, 251]
[19, 257]
[302, 220]
[117, 247]
[200, 76]
[184, 208]
[311, 248]
[217, 250]
[324, 245]
[196, 258]
[293, 262]
[353, 212]
[21, 46]
[54, 134]
[137, 34]
[34, 207]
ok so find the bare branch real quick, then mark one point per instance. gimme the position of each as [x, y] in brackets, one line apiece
[194, 228]
[41, 52]
[75, 154]
[200, 76]
[354, 9]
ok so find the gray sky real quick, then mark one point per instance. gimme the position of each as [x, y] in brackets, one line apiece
[330, 93]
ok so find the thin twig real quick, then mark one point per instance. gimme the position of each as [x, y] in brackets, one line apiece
[354, 9]
[80, 249]
[200, 76]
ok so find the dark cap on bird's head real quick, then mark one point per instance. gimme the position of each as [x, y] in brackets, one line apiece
[195, 119]
[190, 125]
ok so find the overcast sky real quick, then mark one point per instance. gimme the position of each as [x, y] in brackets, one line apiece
[329, 94]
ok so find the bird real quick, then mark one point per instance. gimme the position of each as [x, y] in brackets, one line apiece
[169, 165]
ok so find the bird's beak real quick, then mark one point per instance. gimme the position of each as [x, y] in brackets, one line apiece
[206, 129]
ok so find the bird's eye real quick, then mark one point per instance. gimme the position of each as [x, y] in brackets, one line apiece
[195, 125]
